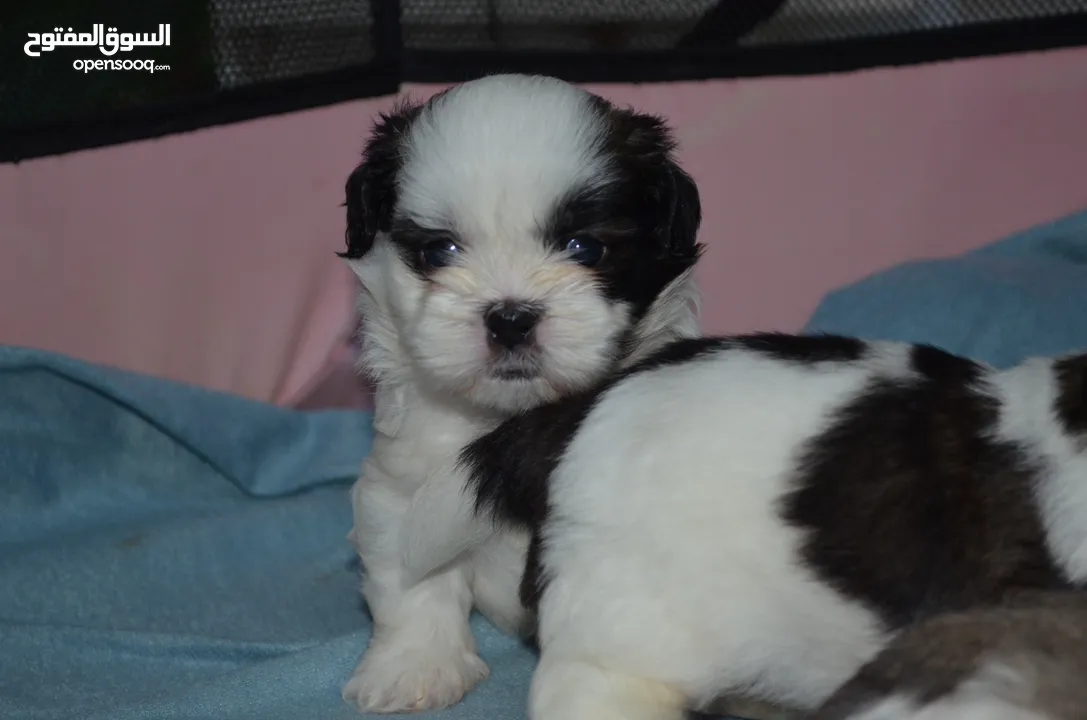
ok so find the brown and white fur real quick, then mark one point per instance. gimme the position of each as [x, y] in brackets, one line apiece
[1023, 660]
[763, 514]
[516, 239]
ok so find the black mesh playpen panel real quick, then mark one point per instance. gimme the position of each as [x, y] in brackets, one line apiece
[229, 60]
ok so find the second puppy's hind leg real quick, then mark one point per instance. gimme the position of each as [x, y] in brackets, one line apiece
[566, 689]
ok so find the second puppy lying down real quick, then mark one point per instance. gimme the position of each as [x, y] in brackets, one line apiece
[763, 514]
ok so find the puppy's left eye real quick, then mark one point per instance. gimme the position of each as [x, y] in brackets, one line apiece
[439, 253]
[585, 251]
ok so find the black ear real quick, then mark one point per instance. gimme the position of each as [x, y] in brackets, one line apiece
[681, 215]
[644, 144]
[371, 187]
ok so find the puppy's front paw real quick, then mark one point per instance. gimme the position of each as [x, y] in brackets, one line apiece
[393, 679]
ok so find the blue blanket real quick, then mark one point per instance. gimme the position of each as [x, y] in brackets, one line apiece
[172, 553]
[1021, 296]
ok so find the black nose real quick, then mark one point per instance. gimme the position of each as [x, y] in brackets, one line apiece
[510, 324]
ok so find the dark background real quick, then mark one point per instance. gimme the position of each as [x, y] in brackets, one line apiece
[232, 60]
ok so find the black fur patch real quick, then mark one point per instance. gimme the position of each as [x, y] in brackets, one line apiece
[532, 580]
[780, 346]
[910, 506]
[940, 366]
[679, 352]
[371, 187]
[647, 214]
[805, 349]
[642, 146]
[511, 466]
[1072, 394]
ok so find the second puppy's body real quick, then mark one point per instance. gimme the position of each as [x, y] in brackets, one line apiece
[763, 514]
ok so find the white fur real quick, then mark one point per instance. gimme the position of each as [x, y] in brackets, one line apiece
[671, 576]
[1029, 392]
[487, 161]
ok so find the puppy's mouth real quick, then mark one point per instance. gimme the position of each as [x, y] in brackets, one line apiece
[516, 367]
[515, 374]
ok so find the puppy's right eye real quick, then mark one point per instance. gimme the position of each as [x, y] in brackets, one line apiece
[439, 253]
[586, 251]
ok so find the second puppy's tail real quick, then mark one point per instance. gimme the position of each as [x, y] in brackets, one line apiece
[1023, 661]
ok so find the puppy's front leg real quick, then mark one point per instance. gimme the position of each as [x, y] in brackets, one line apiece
[422, 655]
[497, 567]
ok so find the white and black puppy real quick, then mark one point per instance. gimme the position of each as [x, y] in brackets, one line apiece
[1024, 660]
[762, 514]
[516, 239]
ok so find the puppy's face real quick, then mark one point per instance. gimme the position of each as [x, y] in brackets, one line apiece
[510, 236]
